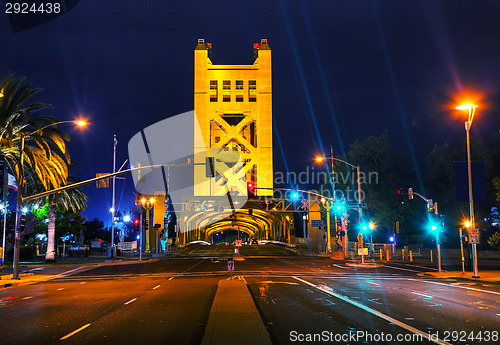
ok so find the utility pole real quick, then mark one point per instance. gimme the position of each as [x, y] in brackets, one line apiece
[113, 251]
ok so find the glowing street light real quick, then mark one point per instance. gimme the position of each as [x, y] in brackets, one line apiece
[468, 124]
[21, 183]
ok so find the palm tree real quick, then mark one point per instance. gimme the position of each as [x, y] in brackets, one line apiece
[44, 143]
[45, 153]
[74, 200]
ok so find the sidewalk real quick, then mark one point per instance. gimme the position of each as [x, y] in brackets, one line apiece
[38, 271]
[492, 277]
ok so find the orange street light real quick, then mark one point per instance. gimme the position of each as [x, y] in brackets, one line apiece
[80, 123]
[319, 159]
[468, 124]
[467, 224]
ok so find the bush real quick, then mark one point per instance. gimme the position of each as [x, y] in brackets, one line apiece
[494, 240]
[25, 253]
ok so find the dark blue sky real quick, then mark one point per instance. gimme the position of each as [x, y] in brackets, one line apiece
[342, 70]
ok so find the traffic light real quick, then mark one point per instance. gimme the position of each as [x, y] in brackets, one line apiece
[410, 193]
[136, 222]
[401, 199]
[23, 222]
[294, 195]
[250, 189]
[430, 205]
[338, 207]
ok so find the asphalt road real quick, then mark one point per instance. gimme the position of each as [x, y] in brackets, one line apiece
[299, 298]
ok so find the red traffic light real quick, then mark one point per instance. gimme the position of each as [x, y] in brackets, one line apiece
[136, 221]
[250, 189]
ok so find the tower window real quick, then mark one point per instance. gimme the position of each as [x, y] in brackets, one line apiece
[252, 90]
[213, 90]
[226, 90]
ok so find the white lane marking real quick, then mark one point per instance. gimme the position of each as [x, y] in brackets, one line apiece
[75, 331]
[346, 268]
[133, 299]
[28, 297]
[409, 318]
[60, 289]
[404, 269]
[82, 283]
[73, 270]
[372, 283]
[374, 312]
[421, 294]
[275, 282]
[156, 287]
[171, 278]
[457, 286]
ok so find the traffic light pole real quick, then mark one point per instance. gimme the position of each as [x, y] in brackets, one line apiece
[141, 236]
[20, 190]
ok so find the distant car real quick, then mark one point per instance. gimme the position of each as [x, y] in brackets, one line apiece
[254, 241]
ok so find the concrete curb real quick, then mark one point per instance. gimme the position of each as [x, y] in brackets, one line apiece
[459, 277]
[9, 276]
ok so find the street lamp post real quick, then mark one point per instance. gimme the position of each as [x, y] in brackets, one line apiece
[468, 124]
[20, 193]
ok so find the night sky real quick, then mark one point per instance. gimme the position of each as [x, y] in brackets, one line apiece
[342, 70]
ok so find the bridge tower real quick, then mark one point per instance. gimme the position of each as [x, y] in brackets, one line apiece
[233, 105]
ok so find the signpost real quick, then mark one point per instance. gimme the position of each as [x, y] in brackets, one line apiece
[316, 223]
[473, 236]
[361, 250]
[230, 267]
[357, 206]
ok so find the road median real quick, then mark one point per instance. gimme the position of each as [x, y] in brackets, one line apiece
[234, 318]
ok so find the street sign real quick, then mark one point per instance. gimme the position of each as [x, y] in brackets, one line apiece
[230, 265]
[316, 223]
[473, 235]
[355, 206]
[360, 241]
[362, 251]
[238, 243]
